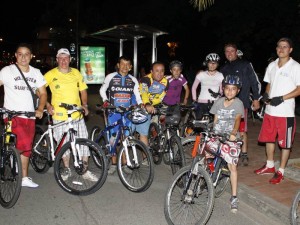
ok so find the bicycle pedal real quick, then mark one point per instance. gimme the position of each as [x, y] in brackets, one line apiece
[226, 171]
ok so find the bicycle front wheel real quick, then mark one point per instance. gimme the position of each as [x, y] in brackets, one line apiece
[189, 198]
[80, 178]
[11, 177]
[41, 161]
[139, 176]
[295, 210]
[176, 154]
[223, 179]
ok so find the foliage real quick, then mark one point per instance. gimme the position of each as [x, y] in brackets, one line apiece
[202, 4]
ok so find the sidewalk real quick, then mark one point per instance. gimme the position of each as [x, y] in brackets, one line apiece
[273, 200]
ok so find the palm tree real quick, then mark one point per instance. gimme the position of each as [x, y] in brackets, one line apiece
[201, 4]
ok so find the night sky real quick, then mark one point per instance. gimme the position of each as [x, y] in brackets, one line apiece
[255, 25]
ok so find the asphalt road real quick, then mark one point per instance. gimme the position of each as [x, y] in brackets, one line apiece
[113, 204]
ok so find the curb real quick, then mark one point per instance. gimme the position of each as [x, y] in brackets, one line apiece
[264, 204]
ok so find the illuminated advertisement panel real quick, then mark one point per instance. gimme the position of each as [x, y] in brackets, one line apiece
[92, 64]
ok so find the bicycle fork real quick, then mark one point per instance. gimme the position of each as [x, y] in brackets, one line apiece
[127, 142]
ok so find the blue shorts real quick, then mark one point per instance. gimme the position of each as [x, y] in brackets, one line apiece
[142, 128]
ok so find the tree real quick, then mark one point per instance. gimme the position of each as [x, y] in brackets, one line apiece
[202, 4]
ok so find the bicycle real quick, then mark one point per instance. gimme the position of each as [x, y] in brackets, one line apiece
[186, 127]
[46, 152]
[295, 210]
[193, 189]
[10, 161]
[165, 143]
[134, 162]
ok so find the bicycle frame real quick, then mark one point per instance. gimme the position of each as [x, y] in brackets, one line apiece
[120, 136]
[54, 149]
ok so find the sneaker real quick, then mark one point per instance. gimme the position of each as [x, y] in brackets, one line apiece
[27, 182]
[88, 175]
[112, 169]
[278, 177]
[145, 162]
[265, 170]
[126, 169]
[234, 204]
[66, 174]
[245, 160]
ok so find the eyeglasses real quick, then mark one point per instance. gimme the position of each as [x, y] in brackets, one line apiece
[63, 58]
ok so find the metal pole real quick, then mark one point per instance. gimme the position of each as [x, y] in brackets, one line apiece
[77, 33]
[135, 56]
[154, 52]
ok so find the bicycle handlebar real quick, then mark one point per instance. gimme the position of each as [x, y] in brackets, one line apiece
[71, 108]
[117, 109]
[17, 113]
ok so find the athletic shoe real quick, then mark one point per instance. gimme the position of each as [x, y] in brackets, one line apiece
[145, 162]
[88, 175]
[27, 182]
[265, 170]
[112, 169]
[66, 174]
[234, 204]
[245, 160]
[278, 177]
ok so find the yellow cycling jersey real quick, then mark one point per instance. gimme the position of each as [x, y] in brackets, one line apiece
[65, 88]
[153, 91]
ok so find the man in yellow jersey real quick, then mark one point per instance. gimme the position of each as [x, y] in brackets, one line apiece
[153, 89]
[67, 86]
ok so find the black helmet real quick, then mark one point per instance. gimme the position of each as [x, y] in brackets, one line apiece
[232, 80]
[176, 63]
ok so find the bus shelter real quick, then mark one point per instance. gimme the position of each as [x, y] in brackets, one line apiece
[130, 32]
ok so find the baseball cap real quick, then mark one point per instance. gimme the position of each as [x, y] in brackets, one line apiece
[63, 51]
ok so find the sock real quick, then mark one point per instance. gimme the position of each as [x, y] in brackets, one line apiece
[281, 171]
[244, 154]
[270, 164]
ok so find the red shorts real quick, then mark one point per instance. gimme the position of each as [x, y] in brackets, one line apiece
[24, 129]
[281, 127]
[244, 122]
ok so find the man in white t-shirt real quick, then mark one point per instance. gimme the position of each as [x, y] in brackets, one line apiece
[283, 85]
[18, 97]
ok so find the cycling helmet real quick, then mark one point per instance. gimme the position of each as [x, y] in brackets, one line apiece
[239, 53]
[138, 115]
[232, 80]
[176, 63]
[211, 57]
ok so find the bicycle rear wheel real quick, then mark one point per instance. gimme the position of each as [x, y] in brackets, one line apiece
[139, 177]
[40, 162]
[154, 143]
[81, 179]
[11, 177]
[102, 142]
[295, 210]
[190, 197]
[177, 160]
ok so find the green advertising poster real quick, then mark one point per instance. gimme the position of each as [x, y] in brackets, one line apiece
[92, 64]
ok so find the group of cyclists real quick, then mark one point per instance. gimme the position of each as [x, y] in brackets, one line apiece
[223, 93]
[122, 89]
[219, 90]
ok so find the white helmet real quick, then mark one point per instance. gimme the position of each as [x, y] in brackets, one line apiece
[239, 53]
[211, 57]
[138, 115]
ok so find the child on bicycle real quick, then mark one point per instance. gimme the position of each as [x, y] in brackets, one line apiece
[228, 112]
